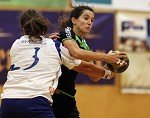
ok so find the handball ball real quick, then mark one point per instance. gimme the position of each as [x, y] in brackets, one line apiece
[116, 68]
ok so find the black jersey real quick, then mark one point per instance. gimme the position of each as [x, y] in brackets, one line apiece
[67, 79]
[64, 105]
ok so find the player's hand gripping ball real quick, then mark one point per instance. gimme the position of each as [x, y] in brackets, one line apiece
[117, 68]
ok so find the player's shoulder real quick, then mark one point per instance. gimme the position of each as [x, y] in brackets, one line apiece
[18, 40]
[51, 41]
[66, 30]
[66, 33]
[23, 38]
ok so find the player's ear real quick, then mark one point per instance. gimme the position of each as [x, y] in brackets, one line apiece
[73, 20]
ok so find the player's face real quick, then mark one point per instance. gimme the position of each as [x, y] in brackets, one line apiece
[84, 23]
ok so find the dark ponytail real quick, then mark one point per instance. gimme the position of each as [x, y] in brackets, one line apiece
[65, 21]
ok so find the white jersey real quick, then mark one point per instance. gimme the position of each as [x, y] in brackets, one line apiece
[35, 67]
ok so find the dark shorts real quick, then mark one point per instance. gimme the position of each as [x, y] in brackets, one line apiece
[38, 107]
[64, 106]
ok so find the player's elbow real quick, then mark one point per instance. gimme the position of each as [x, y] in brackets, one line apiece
[94, 79]
[76, 54]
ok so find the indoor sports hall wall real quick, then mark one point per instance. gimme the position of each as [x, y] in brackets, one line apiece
[103, 99]
[102, 32]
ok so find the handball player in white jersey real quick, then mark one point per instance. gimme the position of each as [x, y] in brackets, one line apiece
[35, 69]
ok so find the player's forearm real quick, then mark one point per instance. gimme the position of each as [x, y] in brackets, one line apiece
[89, 55]
[101, 73]
[79, 53]
[91, 70]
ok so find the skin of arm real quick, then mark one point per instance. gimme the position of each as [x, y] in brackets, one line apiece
[94, 72]
[79, 53]
[89, 68]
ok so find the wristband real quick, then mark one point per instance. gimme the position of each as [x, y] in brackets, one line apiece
[107, 74]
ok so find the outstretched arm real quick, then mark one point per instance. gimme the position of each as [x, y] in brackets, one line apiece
[79, 53]
[94, 72]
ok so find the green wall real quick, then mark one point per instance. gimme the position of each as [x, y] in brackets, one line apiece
[35, 3]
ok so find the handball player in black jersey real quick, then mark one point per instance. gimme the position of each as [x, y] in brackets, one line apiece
[71, 33]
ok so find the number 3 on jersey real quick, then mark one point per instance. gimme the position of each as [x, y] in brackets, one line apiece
[36, 60]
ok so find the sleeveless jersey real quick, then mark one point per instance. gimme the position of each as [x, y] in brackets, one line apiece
[67, 79]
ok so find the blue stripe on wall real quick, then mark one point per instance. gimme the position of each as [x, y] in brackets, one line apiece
[95, 1]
